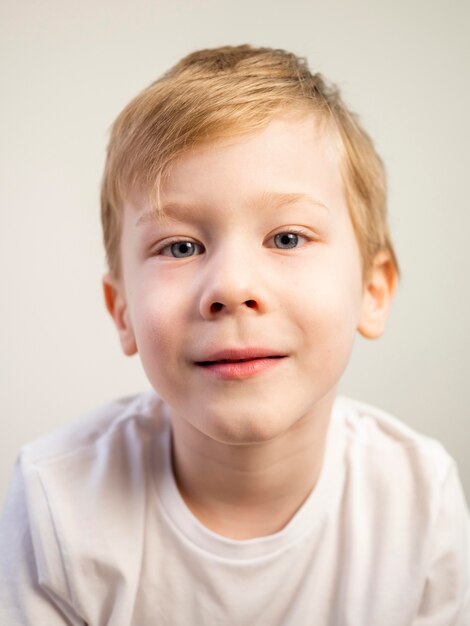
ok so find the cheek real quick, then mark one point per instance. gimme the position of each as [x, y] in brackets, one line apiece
[155, 320]
[159, 335]
[329, 314]
[331, 297]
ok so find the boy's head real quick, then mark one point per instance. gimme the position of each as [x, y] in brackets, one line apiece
[244, 215]
[221, 93]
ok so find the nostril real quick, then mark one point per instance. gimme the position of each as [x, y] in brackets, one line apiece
[218, 306]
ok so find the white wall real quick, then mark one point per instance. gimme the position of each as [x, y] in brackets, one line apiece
[67, 68]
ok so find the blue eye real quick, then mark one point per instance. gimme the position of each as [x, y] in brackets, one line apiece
[285, 241]
[181, 249]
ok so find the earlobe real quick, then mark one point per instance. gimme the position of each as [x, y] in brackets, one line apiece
[116, 304]
[379, 289]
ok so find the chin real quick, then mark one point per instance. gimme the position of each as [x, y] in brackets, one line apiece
[254, 428]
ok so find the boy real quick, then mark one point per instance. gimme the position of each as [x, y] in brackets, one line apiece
[244, 219]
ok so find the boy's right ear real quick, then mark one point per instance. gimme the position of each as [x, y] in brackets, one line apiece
[116, 304]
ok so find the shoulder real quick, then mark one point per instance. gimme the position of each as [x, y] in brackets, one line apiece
[405, 486]
[104, 423]
[391, 470]
[84, 488]
[376, 436]
[103, 454]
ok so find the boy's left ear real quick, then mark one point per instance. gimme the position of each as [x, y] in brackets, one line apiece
[378, 291]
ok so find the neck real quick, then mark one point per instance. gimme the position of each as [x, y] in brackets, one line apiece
[247, 491]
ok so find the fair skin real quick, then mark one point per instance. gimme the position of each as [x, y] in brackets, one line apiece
[248, 440]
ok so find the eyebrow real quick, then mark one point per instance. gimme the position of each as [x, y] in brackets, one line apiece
[267, 199]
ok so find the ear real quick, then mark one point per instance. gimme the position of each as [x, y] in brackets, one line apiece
[117, 306]
[379, 289]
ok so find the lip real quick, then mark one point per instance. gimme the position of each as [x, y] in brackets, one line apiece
[239, 354]
[240, 363]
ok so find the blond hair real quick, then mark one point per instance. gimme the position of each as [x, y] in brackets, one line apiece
[222, 92]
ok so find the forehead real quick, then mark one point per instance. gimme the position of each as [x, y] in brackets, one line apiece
[290, 160]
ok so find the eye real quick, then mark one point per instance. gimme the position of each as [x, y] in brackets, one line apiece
[288, 240]
[181, 249]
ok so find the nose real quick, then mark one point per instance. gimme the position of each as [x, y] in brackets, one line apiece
[231, 285]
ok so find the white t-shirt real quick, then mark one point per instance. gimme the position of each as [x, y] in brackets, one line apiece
[95, 532]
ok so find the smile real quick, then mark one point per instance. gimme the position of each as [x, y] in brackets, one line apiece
[239, 368]
[238, 360]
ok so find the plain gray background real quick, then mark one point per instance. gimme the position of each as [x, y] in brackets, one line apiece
[68, 68]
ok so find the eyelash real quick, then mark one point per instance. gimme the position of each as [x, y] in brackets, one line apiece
[167, 244]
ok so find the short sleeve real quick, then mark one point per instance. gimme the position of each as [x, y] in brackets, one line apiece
[446, 597]
[23, 600]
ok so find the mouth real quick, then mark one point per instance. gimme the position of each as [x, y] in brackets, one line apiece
[239, 355]
[239, 364]
[258, 358]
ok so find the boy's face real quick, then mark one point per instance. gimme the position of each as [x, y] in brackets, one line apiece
[267, 261]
